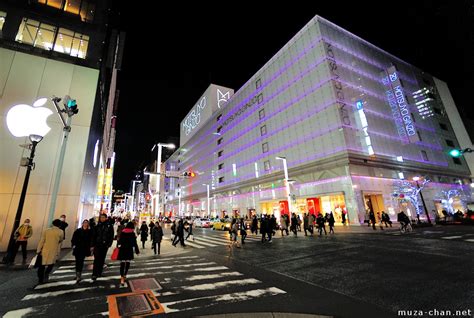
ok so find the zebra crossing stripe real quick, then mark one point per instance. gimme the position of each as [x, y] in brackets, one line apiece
[451, 237]
[201, 241]
[194, 245]
[212, 286]
[212, 276]
[214, 300]
[59, 293]
[213, 241]
[469, 240]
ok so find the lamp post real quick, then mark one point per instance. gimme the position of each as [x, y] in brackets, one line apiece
[422, 200]
[133, 194]
[208, 201]
[24, 120]
[158, 169]
[287, 183]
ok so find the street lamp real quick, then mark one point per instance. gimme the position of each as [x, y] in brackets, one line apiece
[208, 201]
[24, 120]
[287, 183]
[158, 167]
[422, 200]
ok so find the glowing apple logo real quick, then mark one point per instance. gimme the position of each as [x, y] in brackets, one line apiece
[25, 120]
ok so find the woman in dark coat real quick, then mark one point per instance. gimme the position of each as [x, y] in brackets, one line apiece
[331, 222]
[144, 233]
[81, 246]
[156, 237]
[127, 244]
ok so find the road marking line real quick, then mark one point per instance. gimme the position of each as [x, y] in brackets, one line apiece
[469, 240]
[232, 297]
[200, 241]
[73, 282]
[194, 245]
[58, 293]
[451, 237]
[212, 276]
[212, 286]
[19, 312]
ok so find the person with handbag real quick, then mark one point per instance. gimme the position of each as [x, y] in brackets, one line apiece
[48, 250]
[156, 236]
[126, 245]
[81, 247]
[22, 234]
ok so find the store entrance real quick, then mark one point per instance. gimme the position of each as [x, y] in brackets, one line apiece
[374, 202]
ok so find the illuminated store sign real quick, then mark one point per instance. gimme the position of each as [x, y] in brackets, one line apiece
[397, 101]
[194, 118]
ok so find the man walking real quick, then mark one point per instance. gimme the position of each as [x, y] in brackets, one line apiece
[102, 240]
[22, 234]
[48, 249]
[63, 224]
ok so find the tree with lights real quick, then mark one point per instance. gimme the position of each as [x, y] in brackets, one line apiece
[406, 190]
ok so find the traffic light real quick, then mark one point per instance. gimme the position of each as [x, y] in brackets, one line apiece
[71, 105]
[456, 153]
[188, 174]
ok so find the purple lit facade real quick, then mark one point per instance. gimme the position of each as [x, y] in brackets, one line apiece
[321, 103]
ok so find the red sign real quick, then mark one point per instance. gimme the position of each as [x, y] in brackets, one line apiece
[313, 205]
[284, 208]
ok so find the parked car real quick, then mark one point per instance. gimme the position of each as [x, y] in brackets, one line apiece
[222, 224]
[205, 223]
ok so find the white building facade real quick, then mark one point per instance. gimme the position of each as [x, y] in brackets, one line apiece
[352, 121]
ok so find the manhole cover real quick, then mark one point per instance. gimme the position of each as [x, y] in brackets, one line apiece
[141, 303]
[144, 284]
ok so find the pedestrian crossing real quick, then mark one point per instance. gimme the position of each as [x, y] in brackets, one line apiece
[215, 240]
[188, 283]
[438, 234]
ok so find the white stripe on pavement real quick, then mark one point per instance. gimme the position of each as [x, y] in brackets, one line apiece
[212, 276]
[73, 282]
[469, 240]
[232, 297]
[194, 245]
[450, 237]
[211, 286]
[213, 241]
[202, 242]
[59, 293]
[19, 312]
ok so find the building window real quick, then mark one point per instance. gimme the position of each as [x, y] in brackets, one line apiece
[261, 113]
[219, 154]
[419, 135]
[83, 8]
[412, 117]
[260, 98]
[425, 155]
[71, 43]
[221, 179]
[258, 83]
[219, 117]
[36, 33]
[265, 147]
[450, 143]
[219, 129]
[266, 165]
[443, 126]
[219, 141]
[457, 161]
[220, 166]
[58, 4]
[3, 15]
[263, 130]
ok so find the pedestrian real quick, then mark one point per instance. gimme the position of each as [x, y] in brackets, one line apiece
[173, 230]
[48, 248]
[151, 226]
[179, 234]
[103, 237]
[294, 224]
[243, 230]
[92, 223]
[263, 227]
[234, 230]
[22, 234]
[372, 219]
[156, 237]
[305, 224]
[144, 233]
[254, 226]
[273, 224]
[190, 229]
[331, 222]
[299, 223]
[311, 220]
[283, 227]
[81, 243]
[64, 224]
[343, 216]
[321, 226]
[119, 229]
[386, 219]
[127, 245]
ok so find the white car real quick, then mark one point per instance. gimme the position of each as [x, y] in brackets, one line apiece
[202, 223]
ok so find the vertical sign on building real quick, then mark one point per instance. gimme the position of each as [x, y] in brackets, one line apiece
[395, 94]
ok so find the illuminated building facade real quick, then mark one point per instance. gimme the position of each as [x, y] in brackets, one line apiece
[60, 47]
[347, 117]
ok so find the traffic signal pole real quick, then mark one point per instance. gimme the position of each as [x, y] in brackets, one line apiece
[59, 167]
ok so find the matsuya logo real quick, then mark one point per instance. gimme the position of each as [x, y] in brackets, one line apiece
[24, 120]
[222, 97]
[194, 118]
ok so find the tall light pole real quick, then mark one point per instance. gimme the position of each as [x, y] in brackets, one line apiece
[422, 200]
[133, 194]
[287, 183]
[158, 169]
[208, 201]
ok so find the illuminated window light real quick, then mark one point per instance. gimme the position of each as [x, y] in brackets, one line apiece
[399, 158]
[401, 175]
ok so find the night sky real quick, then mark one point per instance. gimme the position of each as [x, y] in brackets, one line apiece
[173, 53]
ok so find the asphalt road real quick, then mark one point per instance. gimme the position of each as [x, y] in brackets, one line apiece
[363, 274]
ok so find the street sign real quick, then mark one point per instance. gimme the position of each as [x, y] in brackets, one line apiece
[172, 174]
